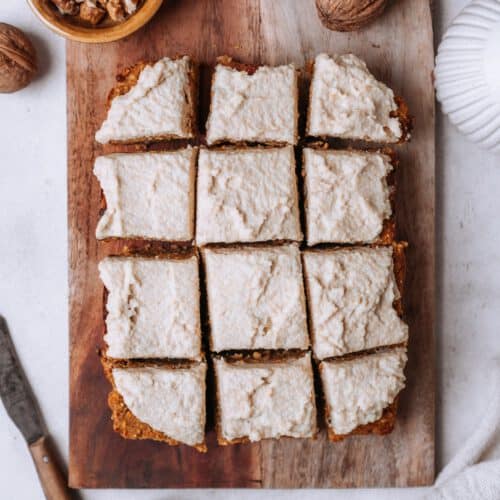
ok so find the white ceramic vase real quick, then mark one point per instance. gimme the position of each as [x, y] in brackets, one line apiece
[467, 73]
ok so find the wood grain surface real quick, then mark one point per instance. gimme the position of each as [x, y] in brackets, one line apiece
[399, 50]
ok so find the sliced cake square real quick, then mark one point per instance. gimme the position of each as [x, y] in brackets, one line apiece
[360, 393]
[152, 101]
[148, 195]
[346, 100]
[159, 402]
[247, 195]
[347, 196]
[253, 104]
[256, 298]
[353, 299]
[266, 399]
[153, 307]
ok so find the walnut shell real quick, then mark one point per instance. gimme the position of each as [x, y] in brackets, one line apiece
[349, 15]
[17, 59]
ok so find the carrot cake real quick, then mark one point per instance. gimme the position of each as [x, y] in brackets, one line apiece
[357, 391]
[247, 195]
[256, 298]
[259, 106]
[351, 294]
[161, 402]
[264, 400]
[153, 307]
[148, 195]
[152, 101]
[347, 101]
[347, 196]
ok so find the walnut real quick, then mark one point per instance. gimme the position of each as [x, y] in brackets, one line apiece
[348, 15]
[115, 10]
[94, 11]
[91, 13]
[69, 7]
[17, 59]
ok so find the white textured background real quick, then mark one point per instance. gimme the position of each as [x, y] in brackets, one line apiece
[33, 271]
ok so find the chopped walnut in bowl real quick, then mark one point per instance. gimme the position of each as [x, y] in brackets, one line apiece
[95, 21]
[94, 12]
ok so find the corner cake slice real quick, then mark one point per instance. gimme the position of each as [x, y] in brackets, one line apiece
[346, 101]
[265, 399]
[361, 392]
[152, 101]
[159, 402]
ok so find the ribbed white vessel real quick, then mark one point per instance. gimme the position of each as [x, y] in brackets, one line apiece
[467, 73]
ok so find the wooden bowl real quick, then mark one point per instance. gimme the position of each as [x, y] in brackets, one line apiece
[70, 28]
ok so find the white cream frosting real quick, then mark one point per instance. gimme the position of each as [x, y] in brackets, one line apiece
[350, 295]
[148, 195]
[156, 106]
[358, 390]
[347, 196]
[261, 107]
[170, 400]
[256, 298]
[266, 400]
[153, 307]
[347, 101]
[247, 195]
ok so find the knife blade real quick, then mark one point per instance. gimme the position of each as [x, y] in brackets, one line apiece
[21, 406]
[15, 391]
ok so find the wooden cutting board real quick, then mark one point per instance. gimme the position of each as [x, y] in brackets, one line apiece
[399, 50]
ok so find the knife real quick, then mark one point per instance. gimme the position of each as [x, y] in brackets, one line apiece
[22, 408]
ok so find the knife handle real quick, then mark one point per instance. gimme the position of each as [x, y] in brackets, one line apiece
[52, 478]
